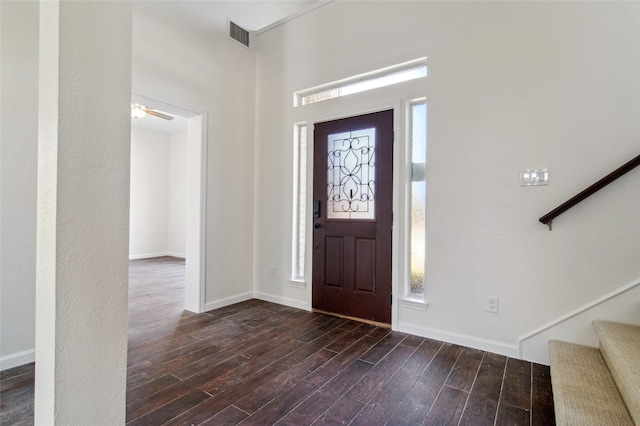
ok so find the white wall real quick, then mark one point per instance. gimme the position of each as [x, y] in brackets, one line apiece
[149, 193]
[158, 192]
[177, 209]
[207, 72]
[511, 86]
[18, 169]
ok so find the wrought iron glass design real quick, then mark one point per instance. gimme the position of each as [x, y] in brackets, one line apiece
[351, 175]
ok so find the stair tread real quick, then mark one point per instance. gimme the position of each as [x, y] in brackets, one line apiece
[620, 348]
[584, 392]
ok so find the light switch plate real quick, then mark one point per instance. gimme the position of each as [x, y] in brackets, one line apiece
[534, 177]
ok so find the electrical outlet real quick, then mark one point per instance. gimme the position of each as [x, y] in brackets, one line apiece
[272, 271]
[492, 304]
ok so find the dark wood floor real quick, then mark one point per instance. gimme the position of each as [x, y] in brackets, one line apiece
[258, 363]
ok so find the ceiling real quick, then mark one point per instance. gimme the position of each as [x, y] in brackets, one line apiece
[252, 15]
[211, 16]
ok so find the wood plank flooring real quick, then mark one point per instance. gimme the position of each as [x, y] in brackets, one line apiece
[257, 363]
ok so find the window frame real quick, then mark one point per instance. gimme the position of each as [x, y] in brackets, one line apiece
[299, 231]
[383, 77]
[410, 299]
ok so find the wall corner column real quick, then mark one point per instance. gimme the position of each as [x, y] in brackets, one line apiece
[83, 212]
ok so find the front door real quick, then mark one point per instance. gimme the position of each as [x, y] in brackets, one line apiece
[352, 216]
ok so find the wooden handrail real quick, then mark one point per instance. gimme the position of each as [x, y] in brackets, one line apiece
[627, 167]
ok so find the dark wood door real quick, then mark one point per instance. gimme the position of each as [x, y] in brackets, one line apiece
[352, 216]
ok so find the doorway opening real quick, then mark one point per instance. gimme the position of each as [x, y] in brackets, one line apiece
[186, 155]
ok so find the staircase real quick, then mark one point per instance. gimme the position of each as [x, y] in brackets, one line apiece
[594, 386]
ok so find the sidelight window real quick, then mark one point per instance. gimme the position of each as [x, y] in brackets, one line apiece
[418, 197]
[299, 201]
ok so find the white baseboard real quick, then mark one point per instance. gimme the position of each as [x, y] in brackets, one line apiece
[292, 303]
[17, 359]
[461, 339]
[152, 255]
[221, 303]
[178, 255]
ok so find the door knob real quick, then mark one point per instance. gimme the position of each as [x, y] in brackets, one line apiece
[317, 226]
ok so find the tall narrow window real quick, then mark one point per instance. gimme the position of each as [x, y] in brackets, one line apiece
[418, 197]
[299, 201]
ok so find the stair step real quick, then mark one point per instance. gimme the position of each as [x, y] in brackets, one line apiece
[584, 392]
[620, 348]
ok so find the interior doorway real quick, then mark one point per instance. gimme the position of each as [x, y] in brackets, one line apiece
[352, 216]
[193, 197]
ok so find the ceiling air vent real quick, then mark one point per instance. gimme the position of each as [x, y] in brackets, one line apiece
[239, 34]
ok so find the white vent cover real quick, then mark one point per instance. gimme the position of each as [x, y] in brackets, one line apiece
[239, 34]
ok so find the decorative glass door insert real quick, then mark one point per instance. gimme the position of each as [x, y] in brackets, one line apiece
[351, 175]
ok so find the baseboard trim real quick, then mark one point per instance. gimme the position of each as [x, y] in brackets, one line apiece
[292, 303]
[152, 255]
[461, 339]
[221, 303]
[17, 359]
[178, 255]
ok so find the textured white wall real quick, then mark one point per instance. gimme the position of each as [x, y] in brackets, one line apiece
[19, 156]
[83, 212]
[511, 86]
[208, 72]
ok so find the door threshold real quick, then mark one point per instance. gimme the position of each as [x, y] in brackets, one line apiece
[366, 321]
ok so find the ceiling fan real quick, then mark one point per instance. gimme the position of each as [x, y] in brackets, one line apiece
[139, 111]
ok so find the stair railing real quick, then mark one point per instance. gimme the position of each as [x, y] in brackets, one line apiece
[547, 219]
